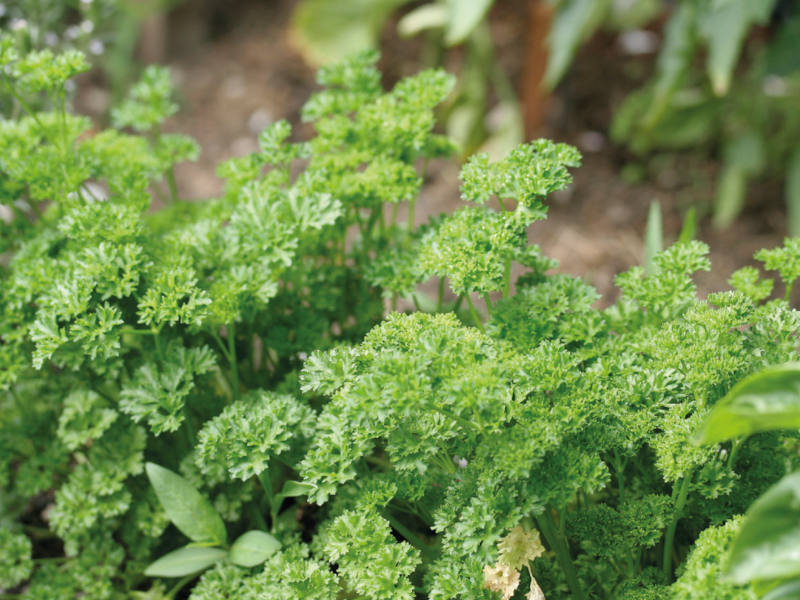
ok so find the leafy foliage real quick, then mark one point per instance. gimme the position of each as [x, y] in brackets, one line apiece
[227, 366]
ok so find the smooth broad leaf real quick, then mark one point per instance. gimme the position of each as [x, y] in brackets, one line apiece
[427, 16]
[188, 510]
[465, 15]
[768, 544]
[292, 489]
[327, 32]
[185, 561]
[767, 400]
[253, 548]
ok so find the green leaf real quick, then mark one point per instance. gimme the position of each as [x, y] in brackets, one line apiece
[767, 400]
[427, 16]
[793, 193]
[731, 191]
[253, 548]
[292, 489]
[575, 21]
[674, 60]
[653, 237]
[724, 26]
[327, 32]
[185, 561]
[768, 544]
[689, 228]
[788, 590]
[190, 512]
[465, 15]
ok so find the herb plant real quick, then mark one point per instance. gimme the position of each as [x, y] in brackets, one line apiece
[224, 371]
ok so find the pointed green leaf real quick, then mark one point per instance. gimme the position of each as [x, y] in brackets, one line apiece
[767, 400]
[185, 561]
[253, 548]
[186, 508]
[768, 544]
[292, 489]
[689, 228]
[653, 236]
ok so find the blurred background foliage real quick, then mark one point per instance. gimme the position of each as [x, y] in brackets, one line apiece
[727, 77]
[725, 84]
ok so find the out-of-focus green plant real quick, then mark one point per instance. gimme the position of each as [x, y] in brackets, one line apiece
[327, 31]
[741, 105]
[106, 31]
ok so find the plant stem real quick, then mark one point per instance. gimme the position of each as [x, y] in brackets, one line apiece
[416, 302]
[25, 106]
[557, 543]
[157, 341]
[274, 503]
[682, 492]
[409, 535]
[440, 295]
[178, 586]
[232, 360]
[474, 313]
[257, 516]
[173, 187]
[507, 279]
[457, 303]
[189, 427]
[488, 300]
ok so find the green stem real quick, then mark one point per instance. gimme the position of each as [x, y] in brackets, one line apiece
[411, 216]
[415, 300]
[25, 106]
[507, 279]
[735, 445]
[682, 493]
[559, 545]
[232, 360]
[409, 535]
[488, 300]
[457, 304]
[189, 427]
[619, 468]
[440, 296]
[274, 503]
[474, 313]
[157, 341]
[256, 515]
[178, 586]
[789, 287]
[173, 187]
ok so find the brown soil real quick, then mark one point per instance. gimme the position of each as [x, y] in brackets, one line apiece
[238, 71]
